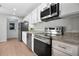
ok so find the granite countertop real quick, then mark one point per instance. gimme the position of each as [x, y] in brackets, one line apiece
[35, 32]
[71, 38]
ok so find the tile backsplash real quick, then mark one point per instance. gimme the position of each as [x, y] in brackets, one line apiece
[71, 24]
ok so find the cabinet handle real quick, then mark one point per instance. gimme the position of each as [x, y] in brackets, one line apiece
[62, 47]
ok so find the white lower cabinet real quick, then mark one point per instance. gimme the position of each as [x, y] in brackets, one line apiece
[58, 53]
[28, 39]
[32, 42]
[24, 37]
[64, 49]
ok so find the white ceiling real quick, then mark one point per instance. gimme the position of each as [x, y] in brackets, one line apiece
[22, 9]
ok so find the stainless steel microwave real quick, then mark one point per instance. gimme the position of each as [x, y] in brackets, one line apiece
[52, 11]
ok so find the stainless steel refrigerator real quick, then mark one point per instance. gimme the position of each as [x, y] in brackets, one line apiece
[22, 26]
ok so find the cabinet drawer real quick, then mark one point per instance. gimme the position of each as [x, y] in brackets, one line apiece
[58, 53]
[66, 48]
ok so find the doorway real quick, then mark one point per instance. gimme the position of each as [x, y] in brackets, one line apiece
[12, 29]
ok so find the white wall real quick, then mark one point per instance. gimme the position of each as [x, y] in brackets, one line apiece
[12, 33]
[3, 28]
[71, 24]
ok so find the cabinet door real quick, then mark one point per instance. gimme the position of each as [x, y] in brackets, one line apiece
[34, 16]
[26, 18]
[30, 18]
[44, 6]
[68, 8]
[32, 42]
[65, 47]
[58, 53]
[24, 37]
[38, 13]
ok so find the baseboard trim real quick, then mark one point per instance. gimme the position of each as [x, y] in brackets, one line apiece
[3, 41]
[12, 38]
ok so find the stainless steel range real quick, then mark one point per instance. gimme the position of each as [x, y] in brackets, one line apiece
[42, 45]
[43, 41]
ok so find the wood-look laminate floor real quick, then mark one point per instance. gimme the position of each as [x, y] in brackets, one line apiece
[14, 48]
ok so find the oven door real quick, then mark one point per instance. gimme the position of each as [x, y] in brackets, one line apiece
[41, 48]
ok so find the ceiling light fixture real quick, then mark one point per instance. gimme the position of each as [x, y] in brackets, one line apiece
[14, 11]
[11, 9]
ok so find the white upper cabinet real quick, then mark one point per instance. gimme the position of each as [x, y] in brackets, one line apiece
[42, 6]
[34, 16]
[65, 9]
[68, 8]
[28, 18]
[25, 18]
[38, 13]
